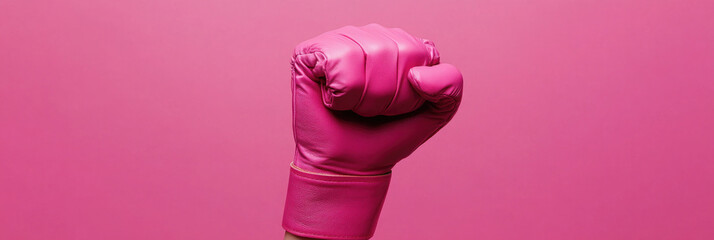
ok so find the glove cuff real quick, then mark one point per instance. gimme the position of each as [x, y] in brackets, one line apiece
[333, 206]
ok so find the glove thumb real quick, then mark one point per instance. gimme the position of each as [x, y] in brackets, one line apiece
[441, 85]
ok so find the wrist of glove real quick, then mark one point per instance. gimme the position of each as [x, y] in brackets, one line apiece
[363, 99]
[329, 206]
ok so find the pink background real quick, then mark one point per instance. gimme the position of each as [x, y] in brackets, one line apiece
[171, 119]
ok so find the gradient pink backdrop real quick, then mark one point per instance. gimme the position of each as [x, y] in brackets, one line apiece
[171, 119]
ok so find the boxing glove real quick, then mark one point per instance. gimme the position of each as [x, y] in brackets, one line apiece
[363, 99]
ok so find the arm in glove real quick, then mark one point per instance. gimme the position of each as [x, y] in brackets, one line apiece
[363, 99]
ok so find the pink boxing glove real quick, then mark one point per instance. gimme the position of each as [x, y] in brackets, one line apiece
[363, 99]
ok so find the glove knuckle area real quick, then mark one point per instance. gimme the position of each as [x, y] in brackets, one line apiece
[380, 68]
[410, 52]
[364, 69]
[339, 68]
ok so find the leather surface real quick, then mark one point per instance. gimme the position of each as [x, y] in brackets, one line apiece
[372, 73]
[363, 99]
[333, 206]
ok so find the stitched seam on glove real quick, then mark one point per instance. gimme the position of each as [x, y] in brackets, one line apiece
[308, 174]
[329, 236]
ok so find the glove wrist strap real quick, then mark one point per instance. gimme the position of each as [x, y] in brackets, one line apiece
[333, 206]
